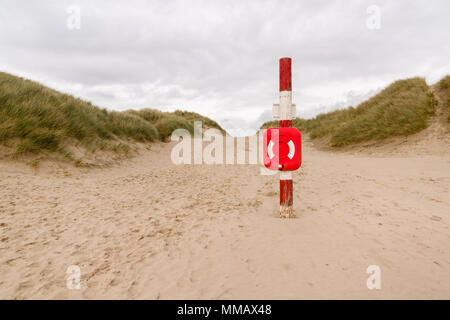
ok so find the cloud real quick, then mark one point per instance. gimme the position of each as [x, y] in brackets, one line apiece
[220, 58]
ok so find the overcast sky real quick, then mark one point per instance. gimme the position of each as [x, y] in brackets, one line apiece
[220, 58]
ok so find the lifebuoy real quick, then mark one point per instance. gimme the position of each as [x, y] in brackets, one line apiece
[290, 154]
[282, 148]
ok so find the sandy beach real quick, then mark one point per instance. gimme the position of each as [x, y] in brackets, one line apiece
[148, 229]
[119, 178]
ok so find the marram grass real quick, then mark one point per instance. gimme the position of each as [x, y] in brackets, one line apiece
[34, 118]
[402, 108]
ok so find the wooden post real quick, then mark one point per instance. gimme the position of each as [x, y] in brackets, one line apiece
[285, 114]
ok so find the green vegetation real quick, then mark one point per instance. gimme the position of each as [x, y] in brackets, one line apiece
[34, 118]
[443, 87]
[402, 108]
[167, 122]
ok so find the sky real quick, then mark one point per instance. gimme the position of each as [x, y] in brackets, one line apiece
[220, 58]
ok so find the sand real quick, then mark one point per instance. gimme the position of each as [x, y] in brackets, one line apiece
[147, 229]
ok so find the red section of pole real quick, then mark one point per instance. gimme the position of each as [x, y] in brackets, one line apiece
[285, 123]
[286, 194]
[286, 190]
[285, 74]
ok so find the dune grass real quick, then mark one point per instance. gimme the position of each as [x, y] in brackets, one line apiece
[400, 109]
[193, 116]
[444, 91]
[167, 122]
[34, 119]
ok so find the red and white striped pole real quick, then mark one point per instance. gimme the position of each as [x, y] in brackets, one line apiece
[285, 114]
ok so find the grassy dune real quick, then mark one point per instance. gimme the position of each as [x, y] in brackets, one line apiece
[400, 109]
[443, 87]
[35, 119]
[166, 122]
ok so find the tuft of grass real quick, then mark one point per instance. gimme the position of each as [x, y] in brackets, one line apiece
[170, 123]
[35, 119]
[121, 148]
[193, 116]
[167, 122]
[444, 92]
[402, 108]
[125, 125]
[164, 122]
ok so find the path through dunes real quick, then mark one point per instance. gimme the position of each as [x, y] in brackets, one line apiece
[149, 229]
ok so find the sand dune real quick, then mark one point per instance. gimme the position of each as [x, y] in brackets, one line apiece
[149, 229]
